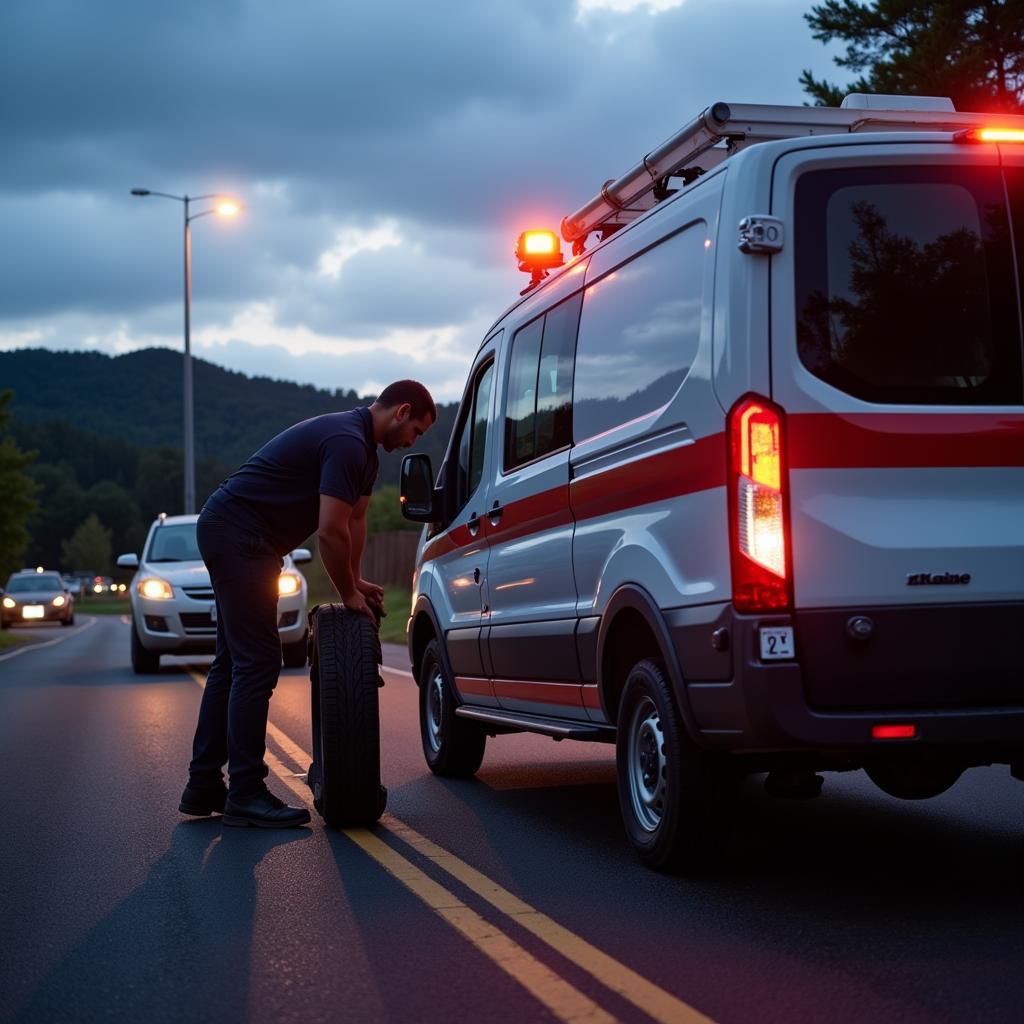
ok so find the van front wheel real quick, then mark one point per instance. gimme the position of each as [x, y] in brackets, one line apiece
[675, 797]
[452, 746]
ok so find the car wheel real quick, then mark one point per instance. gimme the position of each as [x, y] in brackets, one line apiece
[294, 654]
[69, 621]
[453, 746]
[4, 624]
[345, 773]
[143, 662]
[675, 798]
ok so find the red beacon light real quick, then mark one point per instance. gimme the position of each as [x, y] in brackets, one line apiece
[538, 252]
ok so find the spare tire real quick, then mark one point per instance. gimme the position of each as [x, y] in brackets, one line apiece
[345, 773]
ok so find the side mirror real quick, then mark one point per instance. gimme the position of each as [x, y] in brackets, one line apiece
[128, 561]
[417, 489]
[300, 555]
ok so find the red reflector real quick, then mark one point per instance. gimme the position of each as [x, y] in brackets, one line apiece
[893, 732]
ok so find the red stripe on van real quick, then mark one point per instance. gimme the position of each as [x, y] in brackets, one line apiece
[455, 538]
[686, 470]
[474, 686]
[567, 694]
[543, 511]
[904, 440]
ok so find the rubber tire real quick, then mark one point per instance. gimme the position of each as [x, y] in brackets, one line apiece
[699, 788]
[143, 662]
[462, 742]
[69, 621]
[345, 773]
[294, 654]
[4, 624]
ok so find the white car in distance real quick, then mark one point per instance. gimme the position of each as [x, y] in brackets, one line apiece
[173, 609]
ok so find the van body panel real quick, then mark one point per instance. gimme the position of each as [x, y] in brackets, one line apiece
[640, 489]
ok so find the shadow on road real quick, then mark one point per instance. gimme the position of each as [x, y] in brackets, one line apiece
[176, 948]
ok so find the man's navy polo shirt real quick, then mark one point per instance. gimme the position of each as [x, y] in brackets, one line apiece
[276, 493]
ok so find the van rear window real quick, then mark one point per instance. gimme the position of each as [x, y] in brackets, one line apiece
[905, 285]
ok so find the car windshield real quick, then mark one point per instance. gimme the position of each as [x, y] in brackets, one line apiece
[37, 583]
[174, 543]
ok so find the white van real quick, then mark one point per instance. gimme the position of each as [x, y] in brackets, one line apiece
[741, 488]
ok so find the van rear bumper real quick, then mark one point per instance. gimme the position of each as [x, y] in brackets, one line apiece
[838, 688]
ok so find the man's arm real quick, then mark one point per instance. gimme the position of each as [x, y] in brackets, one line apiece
[338, 549]
[357, 530]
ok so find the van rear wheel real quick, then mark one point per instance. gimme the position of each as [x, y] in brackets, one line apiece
[452, 746]
[675, 798]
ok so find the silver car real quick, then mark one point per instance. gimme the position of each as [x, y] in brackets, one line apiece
[173, 610]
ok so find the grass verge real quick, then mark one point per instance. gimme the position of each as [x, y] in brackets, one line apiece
[103, 606]
[12, 640]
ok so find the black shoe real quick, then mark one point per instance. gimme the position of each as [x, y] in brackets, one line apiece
[203, 802]
[263, 810]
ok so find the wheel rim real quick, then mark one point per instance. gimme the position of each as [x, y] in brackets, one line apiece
[435, 706]
[647, 765]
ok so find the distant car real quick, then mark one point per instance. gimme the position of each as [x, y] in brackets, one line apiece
[74, 585]
[34, 596]
[173, 610]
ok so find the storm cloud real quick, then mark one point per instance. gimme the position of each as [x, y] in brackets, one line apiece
[387, 155]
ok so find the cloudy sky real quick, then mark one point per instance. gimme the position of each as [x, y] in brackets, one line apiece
[387, 153]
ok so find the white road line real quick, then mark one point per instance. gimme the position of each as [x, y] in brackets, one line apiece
[48, 643]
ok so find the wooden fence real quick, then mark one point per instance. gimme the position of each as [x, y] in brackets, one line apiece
[390, 557]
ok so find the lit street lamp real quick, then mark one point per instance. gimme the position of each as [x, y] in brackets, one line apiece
[225, 208]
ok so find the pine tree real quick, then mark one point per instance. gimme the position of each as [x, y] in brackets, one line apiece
[969, 50]
[16, 495]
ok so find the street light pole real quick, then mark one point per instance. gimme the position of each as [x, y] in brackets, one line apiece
[225, 208]
[190, 452]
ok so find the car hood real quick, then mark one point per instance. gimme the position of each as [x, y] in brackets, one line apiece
[179, 574]
[33, 596]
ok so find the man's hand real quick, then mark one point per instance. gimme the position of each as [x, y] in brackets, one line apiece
[357, 603]
[374, 595]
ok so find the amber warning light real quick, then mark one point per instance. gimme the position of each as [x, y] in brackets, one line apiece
[990, 135]
[537, 253]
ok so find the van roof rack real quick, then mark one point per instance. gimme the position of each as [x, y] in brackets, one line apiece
[724, 128]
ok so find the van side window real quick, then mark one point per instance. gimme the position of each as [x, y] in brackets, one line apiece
[639, 333]
[538, 404]
[472, 444]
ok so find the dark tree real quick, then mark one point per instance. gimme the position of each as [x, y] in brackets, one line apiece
[969, 50]
[17, 489]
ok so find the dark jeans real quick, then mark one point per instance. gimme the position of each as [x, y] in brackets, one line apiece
[233, 715]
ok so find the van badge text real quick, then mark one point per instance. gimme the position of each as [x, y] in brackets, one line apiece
[924, 579]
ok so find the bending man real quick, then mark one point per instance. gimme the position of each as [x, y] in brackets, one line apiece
[316, 476]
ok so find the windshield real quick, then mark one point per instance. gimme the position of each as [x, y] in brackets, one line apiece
[176, 543]
[38, 583]
[905, 284]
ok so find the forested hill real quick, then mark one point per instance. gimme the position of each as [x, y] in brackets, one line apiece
[138, 398]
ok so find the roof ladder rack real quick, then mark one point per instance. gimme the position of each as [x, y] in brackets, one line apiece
[723, 128]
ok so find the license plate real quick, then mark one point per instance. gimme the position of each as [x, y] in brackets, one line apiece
[32, 611]
[213, 614]
[776, 643]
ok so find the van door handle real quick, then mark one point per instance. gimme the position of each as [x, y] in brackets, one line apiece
[473, 525]
[495, 513]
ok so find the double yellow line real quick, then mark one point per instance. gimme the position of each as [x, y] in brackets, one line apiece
[562, 999]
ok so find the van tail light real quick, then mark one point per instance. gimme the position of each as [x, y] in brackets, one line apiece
[758, 507]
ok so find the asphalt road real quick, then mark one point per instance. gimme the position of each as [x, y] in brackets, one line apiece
[509, 897]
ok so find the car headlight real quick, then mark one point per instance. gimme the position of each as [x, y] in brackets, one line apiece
[288, 583]
[58, 601]
[9, 602]
[155, 589]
